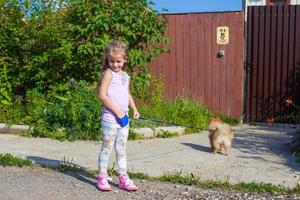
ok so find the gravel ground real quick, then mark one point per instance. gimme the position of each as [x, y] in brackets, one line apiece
[30, 183]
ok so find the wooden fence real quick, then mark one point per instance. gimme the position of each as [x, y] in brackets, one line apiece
[273, 63]
[194, 69]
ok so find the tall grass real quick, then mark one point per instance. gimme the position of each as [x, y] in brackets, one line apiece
[180, 111]
[76, 114]
[13, 114]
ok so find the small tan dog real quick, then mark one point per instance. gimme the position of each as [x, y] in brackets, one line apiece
[220, 135]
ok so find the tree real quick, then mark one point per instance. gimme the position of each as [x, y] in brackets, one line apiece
[67, 42]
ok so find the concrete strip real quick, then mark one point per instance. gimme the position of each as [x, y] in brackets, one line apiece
[145, 132]
[259, 154]
[12, 129]
[150, 133]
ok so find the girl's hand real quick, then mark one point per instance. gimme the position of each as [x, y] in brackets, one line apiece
[120, 114]
[136, 114]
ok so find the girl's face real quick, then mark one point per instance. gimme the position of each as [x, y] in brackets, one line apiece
[116, 61]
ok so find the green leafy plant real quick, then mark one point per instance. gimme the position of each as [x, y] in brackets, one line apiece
[293, 109]
[5, 86]
[11, 160]
[11, 36]
[14, 113]
[111, 171]
[131, 21]
[132, 135]
[46, 44]
[293, 117]
[165, 134]
[138, 175]
[73, 115]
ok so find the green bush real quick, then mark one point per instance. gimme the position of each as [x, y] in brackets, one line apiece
[45, 45]
[14, 113]
[73, 115]
[5, 86]
[92, 24]
[11, 37]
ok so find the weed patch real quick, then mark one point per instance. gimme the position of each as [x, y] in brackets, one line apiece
[191, 179]
[10, 160]
[68, 165]
[111, 171]
[166, 134]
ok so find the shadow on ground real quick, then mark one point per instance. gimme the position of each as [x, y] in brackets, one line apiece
[79, 174]
[257, 142]
[198, 147]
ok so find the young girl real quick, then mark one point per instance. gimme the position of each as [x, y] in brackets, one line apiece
[115, 95]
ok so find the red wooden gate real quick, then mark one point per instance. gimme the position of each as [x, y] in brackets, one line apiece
[193, 67]
[273, 63]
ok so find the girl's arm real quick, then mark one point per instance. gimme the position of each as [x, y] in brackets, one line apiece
[136, 114]
[105, 80]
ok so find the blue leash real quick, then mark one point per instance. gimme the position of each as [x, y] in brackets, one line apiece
[169, 123]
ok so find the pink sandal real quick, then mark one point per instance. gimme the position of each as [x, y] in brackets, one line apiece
[126, 184]
[102, 183]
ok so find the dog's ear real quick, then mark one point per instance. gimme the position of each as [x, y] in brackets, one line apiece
[215, 119]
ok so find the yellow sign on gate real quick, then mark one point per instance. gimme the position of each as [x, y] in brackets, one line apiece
[222, 35]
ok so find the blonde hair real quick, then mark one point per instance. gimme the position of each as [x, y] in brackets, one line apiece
[114, 47]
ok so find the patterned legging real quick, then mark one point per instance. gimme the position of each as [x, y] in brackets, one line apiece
[113, 136]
